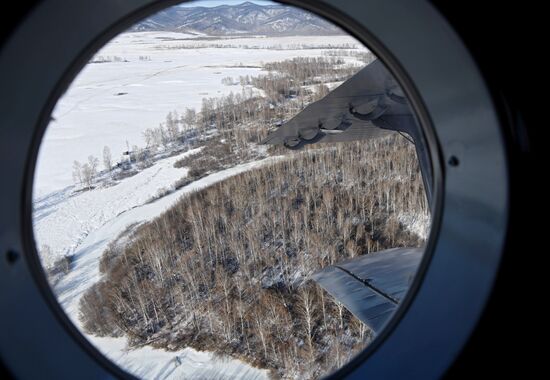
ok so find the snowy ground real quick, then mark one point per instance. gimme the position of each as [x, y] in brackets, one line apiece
[112, 103]
[93, 219]
[62, 222]
[149, 363]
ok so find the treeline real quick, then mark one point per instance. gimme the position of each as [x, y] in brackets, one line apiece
[289, 87]
[174, 129]
[242, 117]
[257, 46]
[305, 70]
[227, 267]
[297, 81]
[108, 58]
[84, 174]
[116, 58]
[289, 79]
[364, 56]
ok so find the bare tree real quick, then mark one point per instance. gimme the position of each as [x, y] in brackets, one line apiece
[307, 307]
[190, 118]
[107, 159]
[228, 81]
[46, 255]
[87, 175]
[77, 172]
[94, 164]
[172, 126]
[148, 136]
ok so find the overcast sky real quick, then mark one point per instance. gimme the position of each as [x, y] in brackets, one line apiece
[215, 3]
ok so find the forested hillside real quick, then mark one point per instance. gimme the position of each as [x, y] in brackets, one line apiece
[227, 268]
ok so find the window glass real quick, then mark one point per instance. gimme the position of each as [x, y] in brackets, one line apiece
[231, 190]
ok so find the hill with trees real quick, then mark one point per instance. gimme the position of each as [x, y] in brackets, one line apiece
[227, 269]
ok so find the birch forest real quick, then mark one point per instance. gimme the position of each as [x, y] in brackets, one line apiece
[227, 269]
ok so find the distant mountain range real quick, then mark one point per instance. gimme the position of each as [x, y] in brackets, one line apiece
[245, 18]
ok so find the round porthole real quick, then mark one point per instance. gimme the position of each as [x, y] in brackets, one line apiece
[449, 119]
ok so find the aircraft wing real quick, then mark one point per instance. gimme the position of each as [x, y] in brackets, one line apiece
[355, 110]
[368, 105]
[371, 286]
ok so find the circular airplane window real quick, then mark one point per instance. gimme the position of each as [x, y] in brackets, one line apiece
[218, 189]
[182, 237]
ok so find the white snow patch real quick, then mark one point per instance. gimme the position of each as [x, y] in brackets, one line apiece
[62, 221]
[149, 363]
[112, 103]
[417, 223]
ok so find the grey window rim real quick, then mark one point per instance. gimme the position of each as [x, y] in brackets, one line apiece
[329, 13]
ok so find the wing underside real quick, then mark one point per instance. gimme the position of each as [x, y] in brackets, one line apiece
[368, 105]
[371, 286]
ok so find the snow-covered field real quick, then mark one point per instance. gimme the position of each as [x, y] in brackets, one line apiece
[112, 103]
[145, 75]
[87, 222]
[149, 363]
[62, 220]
